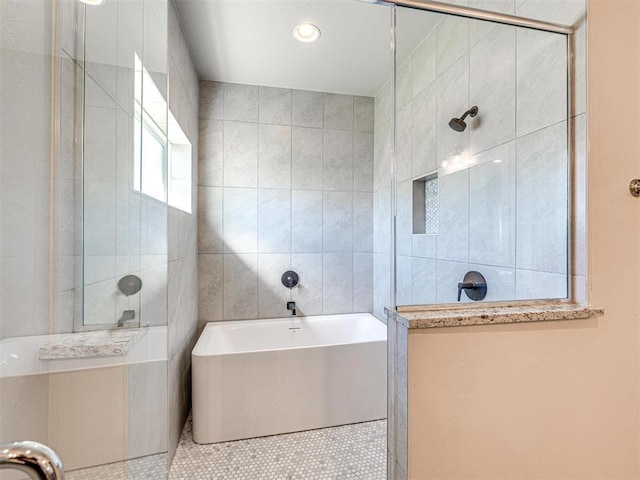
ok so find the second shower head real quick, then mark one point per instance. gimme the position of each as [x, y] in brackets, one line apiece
[458, 124]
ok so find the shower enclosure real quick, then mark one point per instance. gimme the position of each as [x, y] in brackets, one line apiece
[85, 183]
[484, 123]
[489, 194]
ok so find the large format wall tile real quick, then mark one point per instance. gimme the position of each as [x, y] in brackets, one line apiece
[100, 218]
[541, 80]
[306, 221]
[210, 220]
[381, 284]
[478, 29]
[404, 218]
[362, 282]
[423, 60]
[541, 220]
[240, 102]
[449, 274]
[363, 161]
[423, 281]
[211, 152]
[211, 100]
[338, 112]
[240, 217]
[423, 132]
[306, 167]
[535, 284]
[272, 294]
[403, 279]
[100, 144]
[274, 156]
[501, 282]
[275, 106]
[285, 175]
[403, 143]
[337, 161]
[210, 283]
[307, 109]
[240, 154]
[492, 207]
[274, 221]
[404, 90]
[382, 221]
[308, 293]
[337, 283]
[453, 101]
[337, 222]
[363, 114]
[240, 286]
[452, 41]
[362, 222]
[493, 89]
[453, 231]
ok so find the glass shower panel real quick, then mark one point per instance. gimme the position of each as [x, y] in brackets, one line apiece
[114, 38]
[125, 225]
[125, 164]
[482, 159]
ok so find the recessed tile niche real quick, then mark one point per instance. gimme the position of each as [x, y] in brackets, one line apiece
[425, 205]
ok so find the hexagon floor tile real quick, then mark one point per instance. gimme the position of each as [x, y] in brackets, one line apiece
[355, 451]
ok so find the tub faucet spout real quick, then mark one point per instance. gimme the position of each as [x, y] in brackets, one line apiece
[126, 315]
[292, 306]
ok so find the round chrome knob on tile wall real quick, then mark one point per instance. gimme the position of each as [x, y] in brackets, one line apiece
[634, 187]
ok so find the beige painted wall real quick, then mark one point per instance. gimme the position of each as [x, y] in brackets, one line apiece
[555, 400]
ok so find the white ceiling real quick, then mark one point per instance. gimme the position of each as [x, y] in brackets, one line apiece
[250, 42]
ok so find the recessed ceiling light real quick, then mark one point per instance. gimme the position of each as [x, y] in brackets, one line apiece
[306, 32]
[92, 2]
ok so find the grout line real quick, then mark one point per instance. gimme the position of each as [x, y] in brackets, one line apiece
[353, 213]
[515, 166]
[322, 310]
[291, 267]
[223, 191]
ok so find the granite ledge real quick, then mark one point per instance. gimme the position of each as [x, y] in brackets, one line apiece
[457, 315]
[101, 343]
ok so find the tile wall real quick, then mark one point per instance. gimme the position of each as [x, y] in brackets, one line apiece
[182, 237]
[503, 182]
[285, 182]
[38, 179]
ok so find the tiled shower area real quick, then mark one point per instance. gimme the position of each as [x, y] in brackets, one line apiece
[286, 183]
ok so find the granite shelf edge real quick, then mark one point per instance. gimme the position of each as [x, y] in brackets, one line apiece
[463, 316]
[94, 344]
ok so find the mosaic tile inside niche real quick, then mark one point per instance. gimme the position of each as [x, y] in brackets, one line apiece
[355, 451]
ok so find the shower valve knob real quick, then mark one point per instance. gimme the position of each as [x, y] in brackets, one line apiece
[634, 187]
[290, 279]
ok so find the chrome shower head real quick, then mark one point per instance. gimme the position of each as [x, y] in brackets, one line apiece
[458, 124]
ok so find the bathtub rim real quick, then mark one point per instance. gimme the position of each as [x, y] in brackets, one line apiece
[215, 324]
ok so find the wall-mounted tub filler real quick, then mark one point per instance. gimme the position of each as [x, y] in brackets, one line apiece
[474, 285]
[458, 124]
[290, 279]
[127, 315]
[292, 306]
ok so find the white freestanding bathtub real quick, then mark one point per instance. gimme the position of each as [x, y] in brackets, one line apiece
[265, 377]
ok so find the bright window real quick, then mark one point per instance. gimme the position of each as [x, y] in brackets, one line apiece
[179, 167]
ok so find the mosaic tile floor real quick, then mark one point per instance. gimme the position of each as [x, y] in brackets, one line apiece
[153, 467]
[348, 452]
